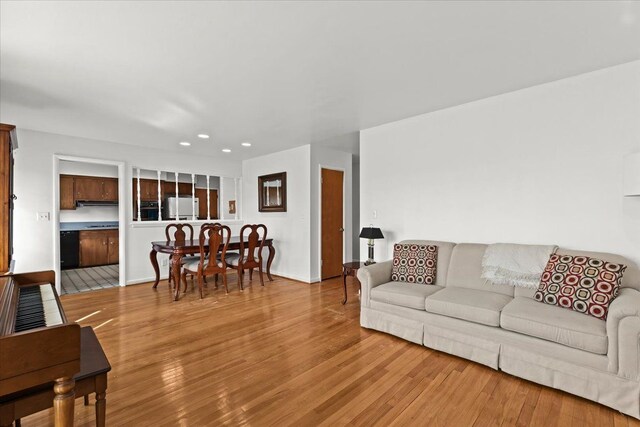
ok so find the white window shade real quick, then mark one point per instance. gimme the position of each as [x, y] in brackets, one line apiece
[632, 175]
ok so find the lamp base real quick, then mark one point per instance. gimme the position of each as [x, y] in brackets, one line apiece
[370, 260]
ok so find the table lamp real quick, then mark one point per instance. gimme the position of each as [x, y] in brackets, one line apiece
[370, 233]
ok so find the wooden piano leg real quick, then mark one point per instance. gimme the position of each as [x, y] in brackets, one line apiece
[101, 401]
[63, 402]
[101, 409]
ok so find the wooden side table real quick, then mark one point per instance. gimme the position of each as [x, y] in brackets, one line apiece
[349, 269]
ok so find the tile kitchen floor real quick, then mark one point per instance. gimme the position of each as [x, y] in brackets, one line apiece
[89, 279]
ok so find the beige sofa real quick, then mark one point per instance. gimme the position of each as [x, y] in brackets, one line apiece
[504, 328]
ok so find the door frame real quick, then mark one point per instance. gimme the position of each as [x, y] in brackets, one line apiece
[121, 212]
[344, 214]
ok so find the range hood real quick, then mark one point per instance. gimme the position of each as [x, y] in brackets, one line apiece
[81, 204]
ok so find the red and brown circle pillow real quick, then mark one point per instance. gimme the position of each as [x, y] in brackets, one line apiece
[414, 263]
[580, 283]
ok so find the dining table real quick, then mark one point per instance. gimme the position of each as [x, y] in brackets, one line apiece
[178, 249]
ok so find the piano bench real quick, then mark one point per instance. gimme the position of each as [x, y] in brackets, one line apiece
[92, 378]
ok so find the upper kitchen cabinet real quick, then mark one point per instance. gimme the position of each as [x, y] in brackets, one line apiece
[110, 189]
[148, 189]
[93, 189]
[67, 189]
[88, 188]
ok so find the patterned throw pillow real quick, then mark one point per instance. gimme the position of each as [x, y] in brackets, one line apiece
[580, 283]
[414, 263]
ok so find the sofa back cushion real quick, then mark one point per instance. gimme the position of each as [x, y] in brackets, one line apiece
[465, 269]
[444, 257]
[630, 279]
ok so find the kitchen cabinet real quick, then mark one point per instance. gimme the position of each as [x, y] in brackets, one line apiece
[98, 247]
[67, 190]
[201, 195]
[184, 188]
[93, 189]
[113, 253]
[110, 189]
[148, 190]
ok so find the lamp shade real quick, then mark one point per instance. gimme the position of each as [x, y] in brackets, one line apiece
[632, 175]
[371, 233]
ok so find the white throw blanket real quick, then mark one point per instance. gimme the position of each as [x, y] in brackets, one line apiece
[516, 265]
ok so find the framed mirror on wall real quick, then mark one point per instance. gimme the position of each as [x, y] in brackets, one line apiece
[178, 196]
[272, 192]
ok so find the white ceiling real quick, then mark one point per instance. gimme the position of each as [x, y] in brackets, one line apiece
[284, 74]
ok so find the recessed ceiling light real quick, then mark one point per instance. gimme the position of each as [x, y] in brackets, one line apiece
[185, 143]
[203, 136]
[246, 144]
[226, 150]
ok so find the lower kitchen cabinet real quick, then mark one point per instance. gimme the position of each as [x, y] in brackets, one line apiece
[98, 247]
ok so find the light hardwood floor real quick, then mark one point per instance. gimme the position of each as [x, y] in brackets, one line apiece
[292, 354]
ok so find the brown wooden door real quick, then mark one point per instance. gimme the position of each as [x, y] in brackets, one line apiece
[110, 189]
[201, 195]
[88, 188]
[213, 200]
[6, 166]
[332, 223]
[67, 190]
[93, 248]
[113, 254]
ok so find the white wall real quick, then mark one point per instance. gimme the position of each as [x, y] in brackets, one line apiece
[33, 241]
[89, 213]
[539, 165]
[322, 157]
[290, 230]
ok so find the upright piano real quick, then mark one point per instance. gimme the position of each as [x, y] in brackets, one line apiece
[38, 345]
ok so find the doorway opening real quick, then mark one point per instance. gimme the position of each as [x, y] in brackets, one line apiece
[332, 223]
[89, 224]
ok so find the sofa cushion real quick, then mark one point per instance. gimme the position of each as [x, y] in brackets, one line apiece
[570, 328]
[468, 304]
[444, 257]
[580, 283]
[414, 263]
[465, 269]
[408, 295]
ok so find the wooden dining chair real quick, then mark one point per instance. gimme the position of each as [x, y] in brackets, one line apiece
[177, 232]
[212, 256]
[248, 259]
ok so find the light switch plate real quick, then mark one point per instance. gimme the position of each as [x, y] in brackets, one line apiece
[43, 216]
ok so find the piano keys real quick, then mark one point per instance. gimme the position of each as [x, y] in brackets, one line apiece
[38, 345]
[37, 307]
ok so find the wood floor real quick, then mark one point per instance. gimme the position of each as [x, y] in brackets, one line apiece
[292, 354]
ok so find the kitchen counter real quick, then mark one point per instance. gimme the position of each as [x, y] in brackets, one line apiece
[81, 226]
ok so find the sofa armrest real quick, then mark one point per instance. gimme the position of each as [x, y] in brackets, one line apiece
[623, 332]
[371, 276]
